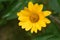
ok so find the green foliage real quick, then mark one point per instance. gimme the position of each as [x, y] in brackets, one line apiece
[8, 21]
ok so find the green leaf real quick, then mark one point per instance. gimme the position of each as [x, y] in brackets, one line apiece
[54, 5]
[5, 0]
[1, 6]
[43, 37]
[2, 22]
[58, 1]
[11, 12]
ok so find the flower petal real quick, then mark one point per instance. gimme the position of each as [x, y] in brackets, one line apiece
[22, 18]
[42, 23]
[33, 29]
[40, 7]
[23, 15]
[28, 26]
[22, 25]
[47, 20]
[19, 13]
[38, 26]
[46, 13]
[25, 25]
[35, 8]
[30, 6]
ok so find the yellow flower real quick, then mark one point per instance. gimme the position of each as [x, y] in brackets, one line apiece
[33, 18]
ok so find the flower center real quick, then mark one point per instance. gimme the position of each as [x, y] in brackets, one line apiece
[34, 18]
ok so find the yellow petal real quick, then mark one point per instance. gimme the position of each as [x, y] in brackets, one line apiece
[34, 29]
[46, 13]
[25, 8]
[40, 7]
[25, 25]
[38, 26]
[22, 18]
[41, 16]
[42, 23]
[19, 13]
[30, 6]
[28, 26]
[22, 23]
[35, 8]
[47, 20]
[23, 15]
[36, 5]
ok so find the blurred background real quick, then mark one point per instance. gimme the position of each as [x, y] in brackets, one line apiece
[9, 29]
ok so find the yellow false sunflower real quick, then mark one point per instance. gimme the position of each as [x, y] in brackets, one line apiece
[33, 18]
